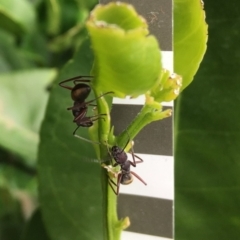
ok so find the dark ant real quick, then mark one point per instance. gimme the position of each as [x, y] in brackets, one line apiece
[124, 176]
[79, 93]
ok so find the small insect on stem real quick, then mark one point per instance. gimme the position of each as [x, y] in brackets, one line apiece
[124, 175]
[79, 92]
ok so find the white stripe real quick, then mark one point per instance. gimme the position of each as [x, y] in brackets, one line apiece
[167, 61]
[157, 171]
[137, 101]
[132, 236]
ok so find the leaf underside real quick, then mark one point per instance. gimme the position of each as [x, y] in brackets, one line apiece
[207, 136]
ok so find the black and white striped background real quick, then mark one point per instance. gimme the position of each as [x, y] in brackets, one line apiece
[150, 207]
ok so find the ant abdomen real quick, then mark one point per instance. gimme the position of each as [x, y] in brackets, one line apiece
[80, 92]
[126, 179]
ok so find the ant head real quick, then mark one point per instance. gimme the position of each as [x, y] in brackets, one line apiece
[116, 150]
[80, 92]
[119, 155]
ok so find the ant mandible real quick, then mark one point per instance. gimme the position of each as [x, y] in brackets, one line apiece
[124, 176]
[79, 93]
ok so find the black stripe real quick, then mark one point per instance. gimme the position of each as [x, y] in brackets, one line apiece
[158, 14]
[155, 138]
[152, 216]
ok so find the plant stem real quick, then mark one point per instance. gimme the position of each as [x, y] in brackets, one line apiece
[148, 114]
[109, 198]
[151, 111]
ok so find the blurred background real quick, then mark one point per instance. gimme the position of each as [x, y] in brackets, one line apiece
[37, 37]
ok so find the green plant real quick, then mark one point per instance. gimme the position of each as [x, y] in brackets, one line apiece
[207, 136]
[59, 180]
[68, 166]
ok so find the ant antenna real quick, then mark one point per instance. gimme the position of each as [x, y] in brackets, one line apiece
[127, 141]
[100, 96]
[109, 153]
[86, 140]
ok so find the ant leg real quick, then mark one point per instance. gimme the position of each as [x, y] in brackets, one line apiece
[111, 182]
[138, 177]
[141, 160]
[77, 106]
[134, 156]
[74, 79]
[87, 103]
[82, 138]
[96, 117]
[119, 182]
[134, 161]
[116, 164]
[82, 119]
[80, 105]
[81, 115]
[76, 130]
[81, 80]
[111, 172]
[109, 153]
[126, 143]
[81, 123]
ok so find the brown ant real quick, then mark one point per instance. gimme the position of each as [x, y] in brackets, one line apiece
[124, 176]
[79, 93]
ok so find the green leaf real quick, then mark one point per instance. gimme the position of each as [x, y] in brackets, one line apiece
[23, 98]
[64, 15]
[69, 173]
[7, 203]
[131, 58]
[207, 153]
[190, 37]
[17, 177]
[86, 4]
[11, 219]
[35, 228]
[17, 16]
[54, 16]
[12, 57]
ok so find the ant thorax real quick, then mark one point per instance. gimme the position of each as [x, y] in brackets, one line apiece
[126, 167]
[79, 110]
